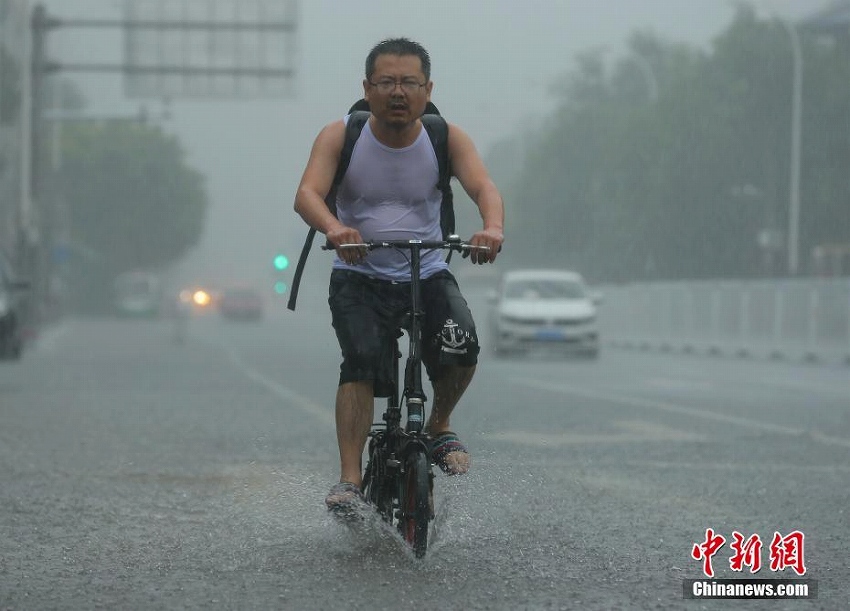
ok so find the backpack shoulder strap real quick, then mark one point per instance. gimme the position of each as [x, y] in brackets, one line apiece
[353, 128]
[438, 132]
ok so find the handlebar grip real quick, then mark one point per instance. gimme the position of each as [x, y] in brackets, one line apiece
[332, 247]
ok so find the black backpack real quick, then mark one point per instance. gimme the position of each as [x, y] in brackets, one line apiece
[438, 132]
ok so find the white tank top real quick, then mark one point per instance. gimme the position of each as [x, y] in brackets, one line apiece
[391, 194]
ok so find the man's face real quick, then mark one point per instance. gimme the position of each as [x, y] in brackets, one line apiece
[404, 101]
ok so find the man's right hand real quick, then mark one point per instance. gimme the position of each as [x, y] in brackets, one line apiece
[346, 235]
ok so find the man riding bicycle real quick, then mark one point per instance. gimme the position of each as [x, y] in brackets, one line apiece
[390, 191]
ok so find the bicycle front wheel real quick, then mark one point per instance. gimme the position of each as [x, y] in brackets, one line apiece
[375, 484]
[415, 501]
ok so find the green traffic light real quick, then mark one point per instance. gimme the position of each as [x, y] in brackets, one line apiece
[281, 262]
[280, 288]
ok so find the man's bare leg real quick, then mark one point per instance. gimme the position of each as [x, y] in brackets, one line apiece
[447, 392]
[354, 415]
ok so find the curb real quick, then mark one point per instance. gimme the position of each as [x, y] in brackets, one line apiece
[805, 356]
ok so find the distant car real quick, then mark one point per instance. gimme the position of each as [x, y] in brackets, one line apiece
[11, 312]
[240, 304]
[138, 294]
[544, 308]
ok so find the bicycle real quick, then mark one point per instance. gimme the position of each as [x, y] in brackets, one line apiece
[398, 480]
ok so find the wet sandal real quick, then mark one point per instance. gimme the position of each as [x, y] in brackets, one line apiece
[344, 497]
[446, 443]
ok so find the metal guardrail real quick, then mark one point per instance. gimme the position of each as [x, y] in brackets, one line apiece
[795, 318]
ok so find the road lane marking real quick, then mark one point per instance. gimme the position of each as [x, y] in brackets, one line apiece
[324, 415]
[630, 431]
[681, 410]
[680, 384]
[506, 461]
[743, 466]
[803, 387]
[50, 339]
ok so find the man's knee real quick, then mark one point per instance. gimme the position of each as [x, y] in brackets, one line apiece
[457, 373]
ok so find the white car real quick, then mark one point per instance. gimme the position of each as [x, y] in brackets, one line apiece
[537, 308]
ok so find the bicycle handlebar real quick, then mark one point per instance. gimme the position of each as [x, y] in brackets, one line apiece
[449, 244]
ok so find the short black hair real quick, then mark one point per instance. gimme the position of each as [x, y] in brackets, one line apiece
[398, 46]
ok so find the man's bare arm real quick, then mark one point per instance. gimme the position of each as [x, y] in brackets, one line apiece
[469, 169]
[316, 182]
[318, 178]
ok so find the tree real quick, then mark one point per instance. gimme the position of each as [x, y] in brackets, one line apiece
[669, 162]
[10, 87]
[133, 201]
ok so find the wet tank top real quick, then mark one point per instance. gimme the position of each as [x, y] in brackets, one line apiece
[391, 194]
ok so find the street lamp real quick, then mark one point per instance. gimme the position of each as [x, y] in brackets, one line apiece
[793, 239]
[796, 136]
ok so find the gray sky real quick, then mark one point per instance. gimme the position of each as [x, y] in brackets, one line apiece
[491, 63]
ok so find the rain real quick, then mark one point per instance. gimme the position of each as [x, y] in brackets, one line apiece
[167, 426]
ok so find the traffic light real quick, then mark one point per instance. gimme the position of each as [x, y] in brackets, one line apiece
[281, 262]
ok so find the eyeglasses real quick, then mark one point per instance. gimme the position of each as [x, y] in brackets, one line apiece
[408, 85]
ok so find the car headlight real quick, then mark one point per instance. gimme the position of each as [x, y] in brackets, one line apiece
[201, 298]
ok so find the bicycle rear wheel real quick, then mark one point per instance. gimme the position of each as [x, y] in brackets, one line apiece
[415, 502]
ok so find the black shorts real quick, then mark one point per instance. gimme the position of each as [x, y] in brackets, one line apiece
[367, 313]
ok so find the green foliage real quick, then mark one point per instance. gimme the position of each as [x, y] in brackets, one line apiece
[132, 199]
[668, 163]
[10, 87]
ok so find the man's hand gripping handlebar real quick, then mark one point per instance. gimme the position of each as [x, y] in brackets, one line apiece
[355, 252]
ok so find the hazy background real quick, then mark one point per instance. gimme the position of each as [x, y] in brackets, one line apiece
[492, 65]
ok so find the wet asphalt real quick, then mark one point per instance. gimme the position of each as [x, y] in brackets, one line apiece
[137, 472]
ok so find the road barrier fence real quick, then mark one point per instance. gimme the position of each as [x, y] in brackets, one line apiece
[794, 318]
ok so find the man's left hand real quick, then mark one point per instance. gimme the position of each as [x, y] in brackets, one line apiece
[492, 239]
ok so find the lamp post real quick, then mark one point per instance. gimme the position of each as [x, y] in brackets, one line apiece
[796, 135]
[793, 238]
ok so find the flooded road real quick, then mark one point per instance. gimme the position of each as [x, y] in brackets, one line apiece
[142, 473]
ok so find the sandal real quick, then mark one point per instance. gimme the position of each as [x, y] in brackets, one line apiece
[344, 498]
[446, 443]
